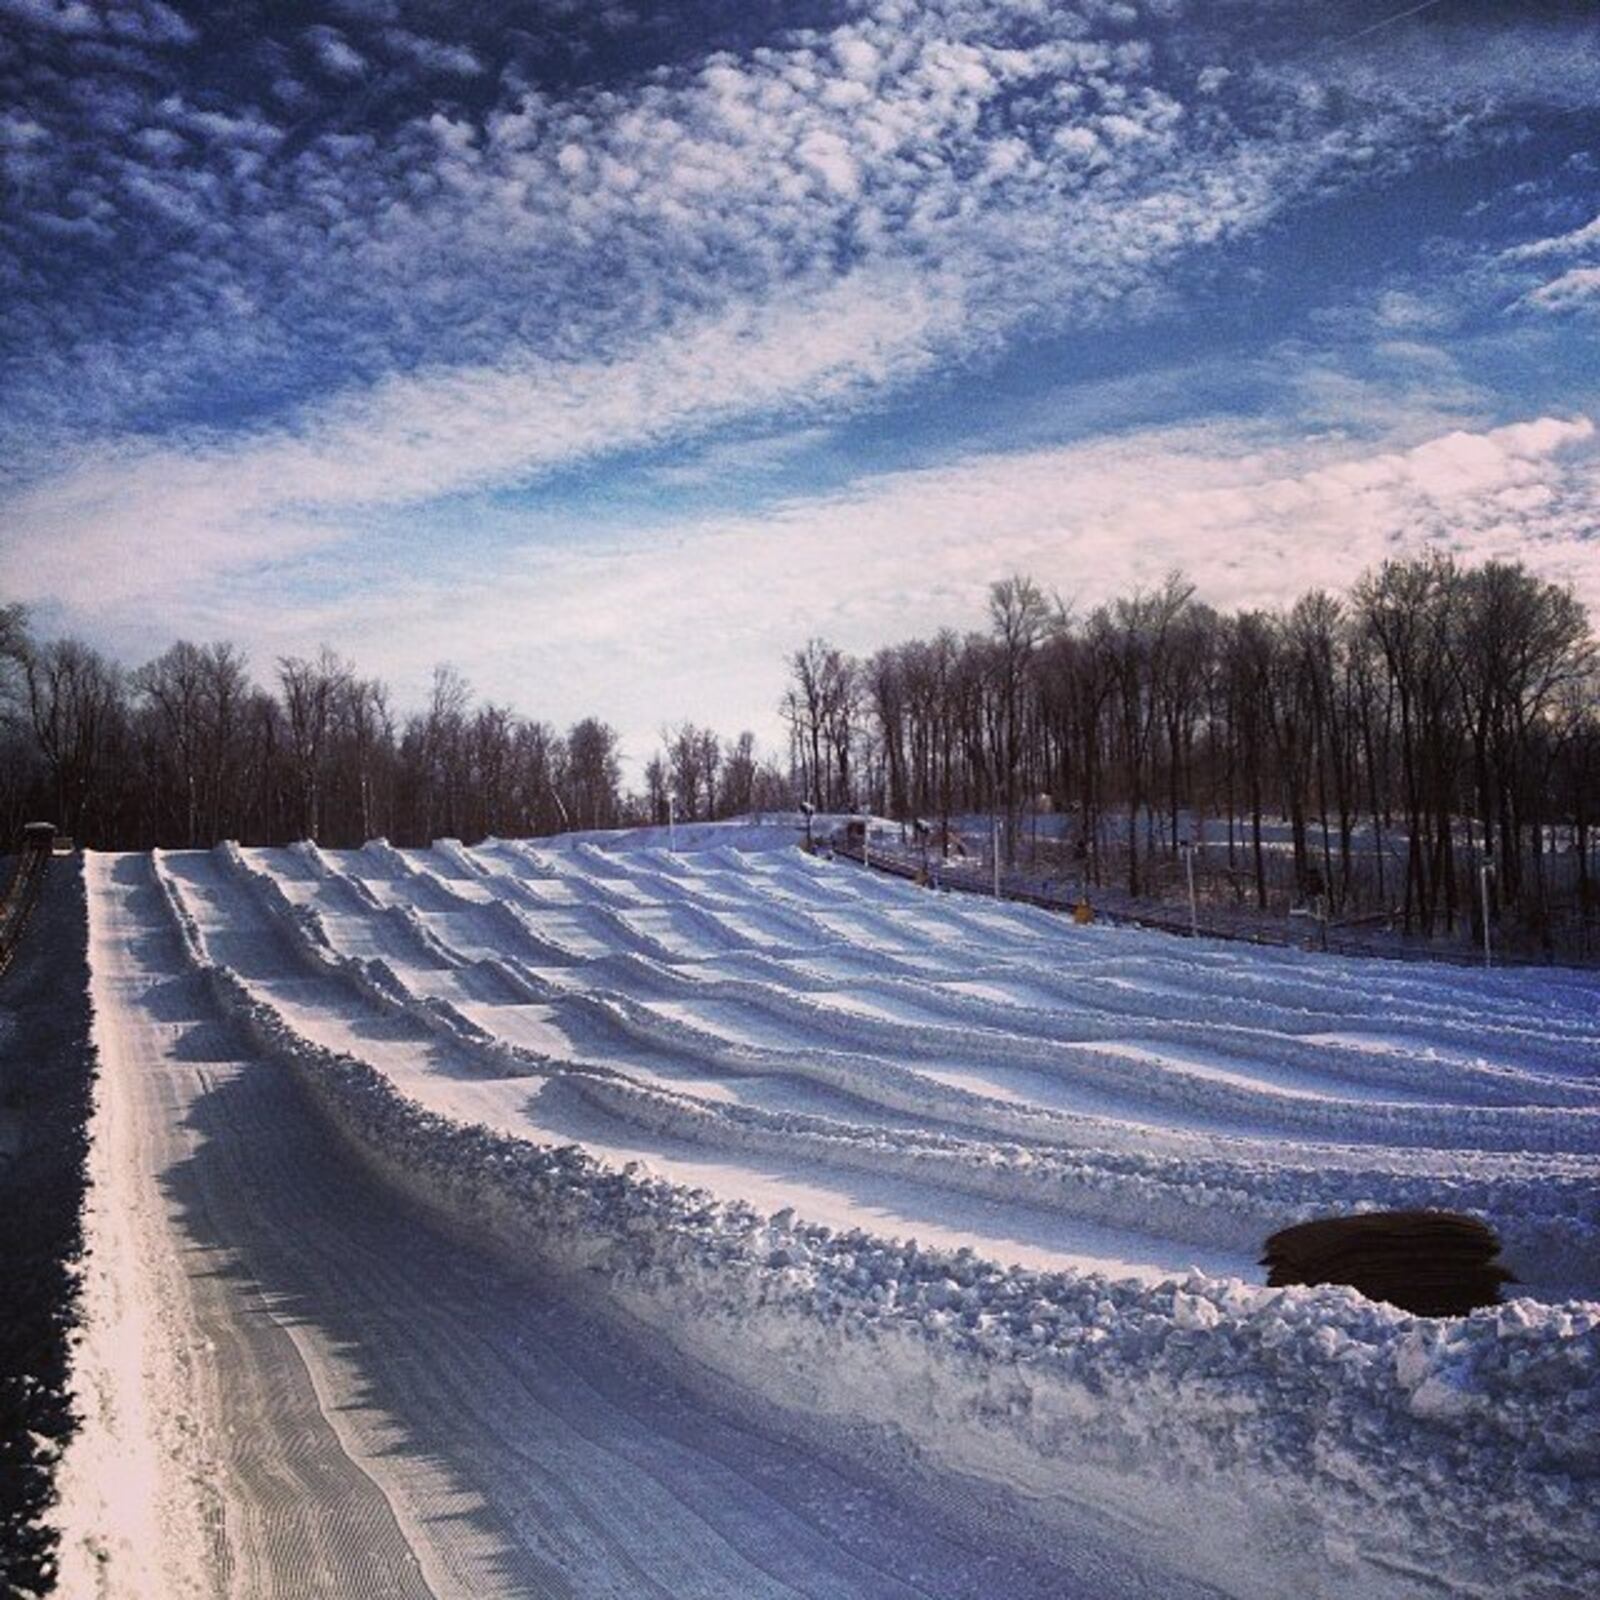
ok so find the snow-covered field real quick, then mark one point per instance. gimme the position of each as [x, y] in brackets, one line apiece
[971, 1192]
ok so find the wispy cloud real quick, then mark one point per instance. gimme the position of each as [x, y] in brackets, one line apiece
[111, 530]
[1051, 161]
[1574, 287]
[432, 55]
[142, 21]
[1577, 287]
[334, 53]
[649, 625]
[1574, 242]
[260, 309]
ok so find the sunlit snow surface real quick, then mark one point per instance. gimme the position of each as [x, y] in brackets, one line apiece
[796, 1106]
[797, 1032]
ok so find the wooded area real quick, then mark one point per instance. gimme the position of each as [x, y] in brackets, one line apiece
[1366, 754]
[1361, 752]
[189, 749]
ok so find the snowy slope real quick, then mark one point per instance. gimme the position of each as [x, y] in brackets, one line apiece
[795, 1032]
[936, 1176]
[293, 1387]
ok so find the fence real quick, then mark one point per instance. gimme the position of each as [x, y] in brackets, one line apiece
[1061, 888]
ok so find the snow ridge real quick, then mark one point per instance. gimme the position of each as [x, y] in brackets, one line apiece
[1276, 1441]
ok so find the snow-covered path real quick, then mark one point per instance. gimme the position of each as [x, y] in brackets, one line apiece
[295, 1387]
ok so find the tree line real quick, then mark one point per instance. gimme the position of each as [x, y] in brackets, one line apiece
[1435, 717]
[1364, 749]
[189, 749]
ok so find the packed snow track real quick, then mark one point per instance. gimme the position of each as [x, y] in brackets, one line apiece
[955, 1197]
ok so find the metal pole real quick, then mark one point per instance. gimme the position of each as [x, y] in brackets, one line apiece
[1483, 888]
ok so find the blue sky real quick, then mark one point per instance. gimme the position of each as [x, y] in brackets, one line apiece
[609, 351]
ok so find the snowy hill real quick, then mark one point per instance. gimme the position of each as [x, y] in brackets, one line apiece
[967, 1187]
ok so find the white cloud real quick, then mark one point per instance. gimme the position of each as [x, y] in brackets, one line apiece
[1561, 244]
[432, 55]
[1058, 177]
[119, 525]
[698, 623]
[1576, 288]
[334, 53]
[143, 21]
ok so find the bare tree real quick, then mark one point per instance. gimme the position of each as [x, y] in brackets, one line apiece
[75, 702]
[594, 774]
[739, 770]
[175, 685]
[311, 693]
[1019, 617]
[821, 706]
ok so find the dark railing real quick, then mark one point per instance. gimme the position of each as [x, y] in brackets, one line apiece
[22, 893]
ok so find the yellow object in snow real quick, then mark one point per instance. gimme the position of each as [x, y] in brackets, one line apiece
[1083, 913]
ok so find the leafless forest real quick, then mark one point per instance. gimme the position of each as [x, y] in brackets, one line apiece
[1367, 753]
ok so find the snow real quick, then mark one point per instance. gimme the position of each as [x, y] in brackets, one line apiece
[975, 1189]
[321, 1394]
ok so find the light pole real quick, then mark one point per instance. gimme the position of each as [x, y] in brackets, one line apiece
[1485, 867]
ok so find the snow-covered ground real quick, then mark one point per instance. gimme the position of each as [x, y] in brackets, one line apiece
[294, 1386]
[966, 1191]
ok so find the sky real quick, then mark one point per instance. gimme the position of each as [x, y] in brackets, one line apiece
[610, 351]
